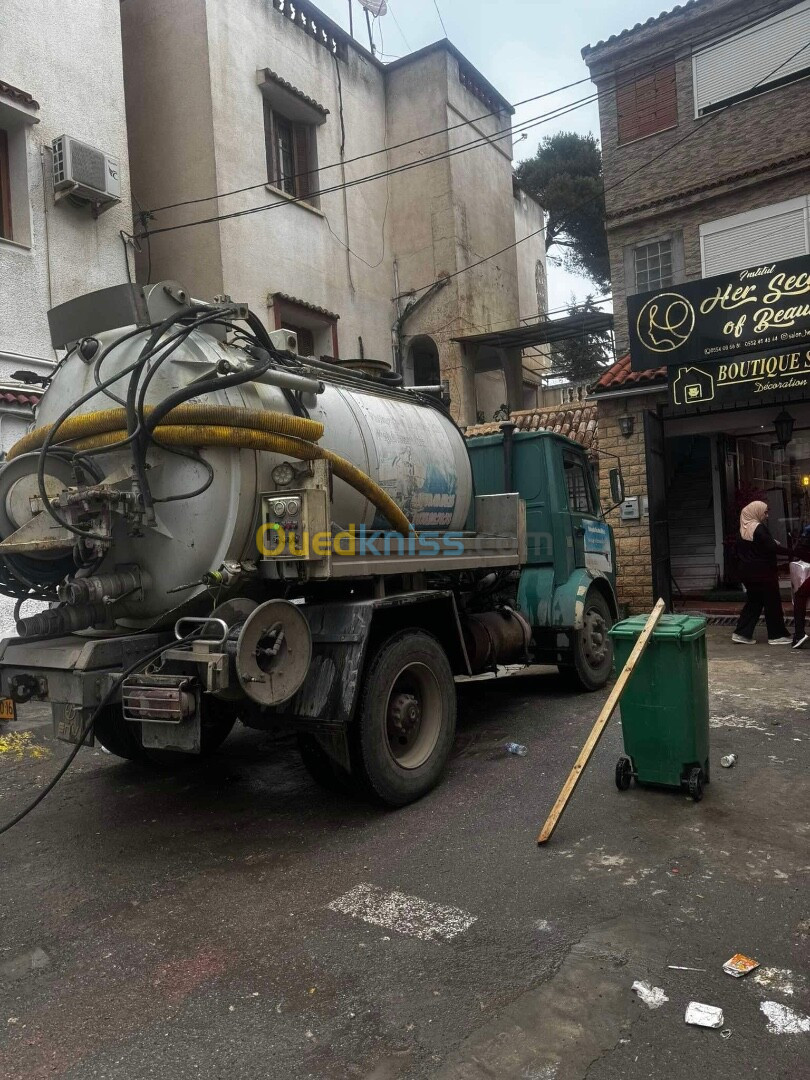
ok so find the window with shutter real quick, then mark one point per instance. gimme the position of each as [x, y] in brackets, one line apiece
[754, 61]
[646, 103]
[291, 160]
[770, 233]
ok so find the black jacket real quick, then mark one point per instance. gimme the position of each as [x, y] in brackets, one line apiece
[759, 557]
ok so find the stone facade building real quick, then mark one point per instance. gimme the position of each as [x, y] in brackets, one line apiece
[705, 124]
[251, 103]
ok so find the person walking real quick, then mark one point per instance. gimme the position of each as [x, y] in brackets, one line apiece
[758, 554]
[800, 578]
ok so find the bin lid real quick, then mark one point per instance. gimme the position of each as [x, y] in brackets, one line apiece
[669, 627]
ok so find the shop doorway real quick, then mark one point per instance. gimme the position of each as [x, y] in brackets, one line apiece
[714, 465]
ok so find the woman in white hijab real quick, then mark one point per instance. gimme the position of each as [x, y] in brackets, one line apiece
[758, 553]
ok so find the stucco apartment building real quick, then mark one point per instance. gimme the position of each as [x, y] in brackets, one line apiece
[705, 125]
[262, 103]
[55, 244]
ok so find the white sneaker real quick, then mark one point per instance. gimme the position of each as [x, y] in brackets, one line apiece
[780, 641]
[740, 640]
[797, 644]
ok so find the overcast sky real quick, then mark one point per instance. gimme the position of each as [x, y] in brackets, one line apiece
[524, 47]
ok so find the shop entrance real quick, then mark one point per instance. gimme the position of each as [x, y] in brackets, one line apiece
[715, 464]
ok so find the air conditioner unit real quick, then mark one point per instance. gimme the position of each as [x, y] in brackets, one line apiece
[85, 173]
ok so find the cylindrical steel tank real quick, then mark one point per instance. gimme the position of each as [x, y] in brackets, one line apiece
[411, 450]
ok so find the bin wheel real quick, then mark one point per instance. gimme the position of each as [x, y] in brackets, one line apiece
[696, 784]
[624, 773]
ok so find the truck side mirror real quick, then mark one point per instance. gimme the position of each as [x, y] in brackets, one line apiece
[616, 487]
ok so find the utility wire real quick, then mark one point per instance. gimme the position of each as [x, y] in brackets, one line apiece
[610, 187]
[638, 71]
[441, 20]
[479, 141]
[408, 45]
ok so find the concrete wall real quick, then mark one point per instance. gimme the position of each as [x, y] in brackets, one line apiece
[169, 114]
[197, 127]
[530, 218]
[71, 65]
[295, 248]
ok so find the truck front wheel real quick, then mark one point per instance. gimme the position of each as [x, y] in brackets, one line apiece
[591, 658]
[406, 721]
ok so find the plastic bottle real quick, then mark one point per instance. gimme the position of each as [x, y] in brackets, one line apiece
[516, 748]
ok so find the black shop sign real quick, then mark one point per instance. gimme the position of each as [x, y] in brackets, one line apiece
[739, 378]
[763, 309]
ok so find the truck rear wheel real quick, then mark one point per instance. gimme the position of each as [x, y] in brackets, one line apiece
[592, 654]
[123, 738]
[406, 721]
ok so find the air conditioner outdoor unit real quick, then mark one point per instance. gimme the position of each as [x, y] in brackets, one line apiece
[85, 173]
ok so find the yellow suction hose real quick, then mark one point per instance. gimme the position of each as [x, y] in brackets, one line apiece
[226, 426]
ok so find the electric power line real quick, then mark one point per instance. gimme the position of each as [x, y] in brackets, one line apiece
[618, 183]
[441, 20]
[637, 70]
[478, 142]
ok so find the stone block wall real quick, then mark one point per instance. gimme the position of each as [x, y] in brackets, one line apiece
[634, 576]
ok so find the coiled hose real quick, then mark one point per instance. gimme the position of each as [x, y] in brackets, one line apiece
[223, 426]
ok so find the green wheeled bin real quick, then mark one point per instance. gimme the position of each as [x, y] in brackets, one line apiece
[665, 705]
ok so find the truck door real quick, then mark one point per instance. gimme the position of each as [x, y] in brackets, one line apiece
[583, 511]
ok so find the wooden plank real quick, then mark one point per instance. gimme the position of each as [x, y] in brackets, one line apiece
[600, 725]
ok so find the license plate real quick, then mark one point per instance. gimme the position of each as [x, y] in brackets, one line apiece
[8, 710]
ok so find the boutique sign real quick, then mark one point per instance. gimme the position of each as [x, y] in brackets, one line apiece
[743, 378]
[750, 311]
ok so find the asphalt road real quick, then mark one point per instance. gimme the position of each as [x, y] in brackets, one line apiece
[179, 925]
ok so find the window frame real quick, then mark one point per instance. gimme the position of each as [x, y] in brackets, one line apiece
[303, 145]
[757, 90]
[675, 238]
[6, 221]
[570, 461]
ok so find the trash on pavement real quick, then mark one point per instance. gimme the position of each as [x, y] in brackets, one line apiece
[652, 996]
[739, 965]
[682, 967]
[708, 1016]
[516, 748]
[729, 761]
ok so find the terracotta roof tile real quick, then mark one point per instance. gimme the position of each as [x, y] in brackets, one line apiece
[576, 421]
[25, 398]
[286, 299]
[619, 374]
[16, 94]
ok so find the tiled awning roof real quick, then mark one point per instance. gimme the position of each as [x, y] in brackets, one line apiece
[24, 398]
[619, 375]
[575, 421]
[14, 92]
[297, 302]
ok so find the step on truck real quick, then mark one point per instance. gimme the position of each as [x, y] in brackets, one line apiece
[204, 527]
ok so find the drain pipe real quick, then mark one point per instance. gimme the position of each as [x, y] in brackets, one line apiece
[508, 429]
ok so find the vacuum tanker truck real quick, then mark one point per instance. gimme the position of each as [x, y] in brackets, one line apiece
[223, 530]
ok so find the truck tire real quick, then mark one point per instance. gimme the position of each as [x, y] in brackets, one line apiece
[592, 653]
[323, 770]
[123, 739]
[406, 722]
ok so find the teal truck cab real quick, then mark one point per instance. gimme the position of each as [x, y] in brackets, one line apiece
[567, 584]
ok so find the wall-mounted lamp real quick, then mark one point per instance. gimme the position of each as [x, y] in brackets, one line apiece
[783, 425]
[626, 425]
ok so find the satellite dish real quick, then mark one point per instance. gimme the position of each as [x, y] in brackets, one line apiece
[375, 7]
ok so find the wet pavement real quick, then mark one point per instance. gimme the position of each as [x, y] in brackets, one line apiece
[233, 920]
